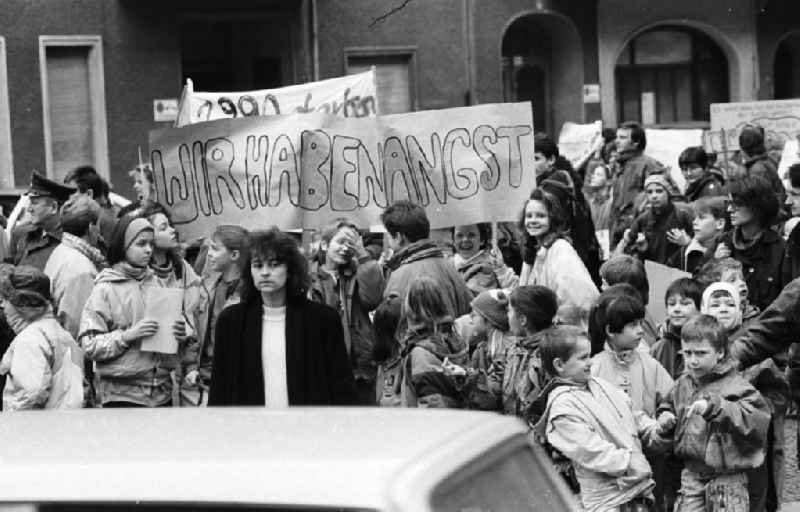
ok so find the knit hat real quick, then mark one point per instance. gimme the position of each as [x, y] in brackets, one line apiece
[134, 228]
[661, 179]
[25, 286]
[493, 306]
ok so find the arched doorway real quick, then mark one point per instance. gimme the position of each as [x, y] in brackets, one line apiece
[786, 71]
[670, 75]
[543, 64]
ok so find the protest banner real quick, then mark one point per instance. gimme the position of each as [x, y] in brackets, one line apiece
[779, 118]
[666, 146]
[464, 165]
[346, 96]
[577, 141]
[789, 157]
[660, 277]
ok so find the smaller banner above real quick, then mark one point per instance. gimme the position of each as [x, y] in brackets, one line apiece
[577, 141]
[779, 118]
[346, 96]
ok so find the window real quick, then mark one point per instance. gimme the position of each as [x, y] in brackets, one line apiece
[6, 158]
[669, 76]
[394, 70]
[74, 104]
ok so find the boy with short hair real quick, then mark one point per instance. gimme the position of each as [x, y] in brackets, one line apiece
[710, 221]
[682, 299]
[630, 270]
[595, 425]
[722, 422]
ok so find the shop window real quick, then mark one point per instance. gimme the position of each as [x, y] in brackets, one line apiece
[670, 76]
[394, 76]
[74, 109]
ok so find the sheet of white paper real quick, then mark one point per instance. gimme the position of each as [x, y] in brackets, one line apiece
[164, 306]
[789, 157]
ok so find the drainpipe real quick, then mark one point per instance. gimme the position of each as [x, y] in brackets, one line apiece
[469, 50]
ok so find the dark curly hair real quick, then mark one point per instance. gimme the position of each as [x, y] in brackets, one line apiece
[755, 193]
[558, 223]
[273, 244]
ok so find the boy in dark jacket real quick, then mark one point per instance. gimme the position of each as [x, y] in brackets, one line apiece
[722, 422]
[710, 221]
[683, 303]
[701, 180]
[650, 236]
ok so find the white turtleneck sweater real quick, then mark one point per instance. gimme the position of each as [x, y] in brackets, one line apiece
[273, 357]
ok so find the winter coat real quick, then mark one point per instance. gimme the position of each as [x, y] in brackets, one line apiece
[566, 186]
[596, 427]
[791, 261]
[524, 378]
[484, 272]
[629, 176]
[731, 435]
[636, 373]
[124, 372]
[761, 261]
[655, 225]
[559, 268]
[425, 259]
[318, 371]
[599, 201]
[356, 291]
[773, 331]
[667, 350]
[72, 269]
[711, 184]
[423, 352]
[31, 363]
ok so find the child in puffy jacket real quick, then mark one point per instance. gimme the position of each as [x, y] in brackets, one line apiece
[43, 365]
[722, 422]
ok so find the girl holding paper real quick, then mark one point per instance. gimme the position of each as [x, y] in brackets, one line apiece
[114, 325]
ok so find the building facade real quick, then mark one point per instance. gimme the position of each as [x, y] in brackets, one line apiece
[80, 79]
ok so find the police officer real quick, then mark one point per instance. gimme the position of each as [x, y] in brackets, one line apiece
[32, 243]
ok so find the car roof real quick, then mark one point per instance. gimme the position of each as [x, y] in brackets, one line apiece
[312, 456]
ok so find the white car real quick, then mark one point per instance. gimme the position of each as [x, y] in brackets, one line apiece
[316, 459]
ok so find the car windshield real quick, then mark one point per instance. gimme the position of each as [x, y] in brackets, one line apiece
[511, 481]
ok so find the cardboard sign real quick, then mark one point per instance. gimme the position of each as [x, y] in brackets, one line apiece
[789, 157]
[347, 96]
[464, 165]
[666, 146]
[660, 277]
[577, 141]
[779, 118]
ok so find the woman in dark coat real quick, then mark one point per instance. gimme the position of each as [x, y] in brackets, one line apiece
[276, 348]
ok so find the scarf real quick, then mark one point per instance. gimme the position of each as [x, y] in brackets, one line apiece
[740, 243]
[92, 253]
[164, 271]
[131, 272]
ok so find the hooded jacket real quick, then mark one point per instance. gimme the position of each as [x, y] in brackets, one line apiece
[124, 372]
[731, 435]
[354, 293]
[596, 427]
[423, 352]
[31, 363]
[425, 259]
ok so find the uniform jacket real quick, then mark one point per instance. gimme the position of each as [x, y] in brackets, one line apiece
[761, 260]
[627, 190]
[72, 269]
[732, 434]
[655, 225]
[484, 272]
[37, 353]
[597, 429]
[318, 371]
[356, 291]
[423, 352]
[124, 372]
[33, 245]
[636, 373]
[425, 258]
[559, 268]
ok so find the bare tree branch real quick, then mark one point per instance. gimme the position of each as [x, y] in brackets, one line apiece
[383, 17]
